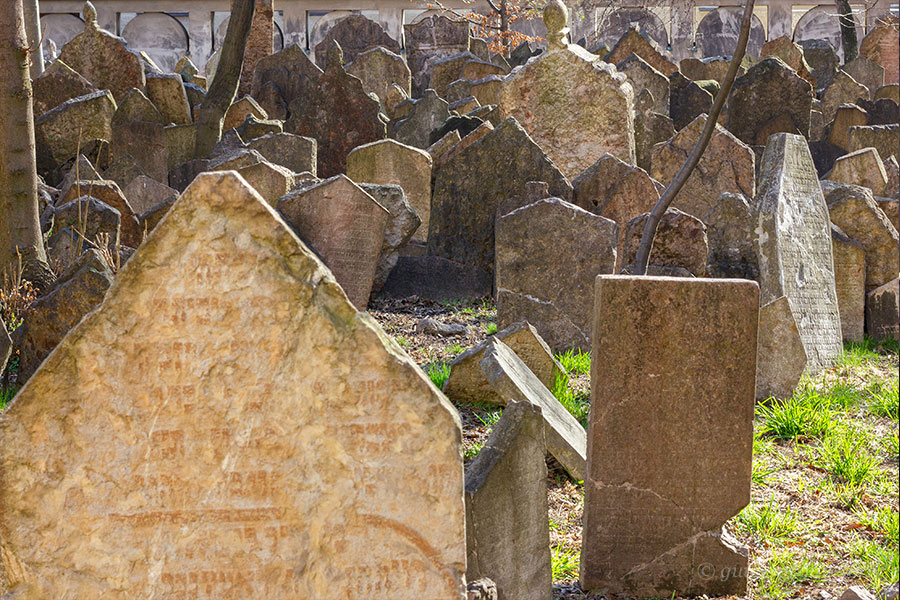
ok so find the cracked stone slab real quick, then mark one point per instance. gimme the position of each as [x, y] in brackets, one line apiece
[147, 453]
[514, 381]
[679, 363]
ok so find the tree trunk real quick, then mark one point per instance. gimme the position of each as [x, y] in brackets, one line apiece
[504, 27]
[848, 30]
[224, 85]
[20, 231]
[33, 29]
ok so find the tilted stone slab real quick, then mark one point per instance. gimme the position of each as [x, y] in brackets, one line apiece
[58, 132]
[654, 505]
[883, 311]
[55, 85]
[781, 358]
[356, 34]
[849, 283]
[863, 167]
[428, 41]
[326, 467]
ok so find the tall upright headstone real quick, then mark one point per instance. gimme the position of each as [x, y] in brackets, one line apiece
[431, 39]
[162, 463]
[655, 506]
[794, 245]
[260, 42]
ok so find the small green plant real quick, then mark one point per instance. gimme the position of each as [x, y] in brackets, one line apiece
[890, 445]
[575, 361]
[769, 523]
[402, 341]
[489, 417]
[565, 562]
[573, 402]
[455, 350]
[804, 415]
[875, 563]
[472, 450]
[846, 458]
[6, 396]
[884, 400]
[857, 354]
[438, 373]
[884, 521]
[785, 571]
[761, 473]
[490, 328]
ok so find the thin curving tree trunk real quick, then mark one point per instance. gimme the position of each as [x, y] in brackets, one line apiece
[20, 231]
[33, 31]
[224, 86]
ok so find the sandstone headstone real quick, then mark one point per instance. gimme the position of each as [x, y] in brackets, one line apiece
[294, 152]
[794, 246]
[388, 161]
[865, 72]
[110, 194]
[680, 241]
[644, 77]
[84, 218]
[146, 143]
[430, 40]
[290, 72]
[507, 524]
[60, 131]
[730, 235]
[822, 59]
[355, 34]
[548, 254]
[634, 42]
[843, 90]
[781, 359]
[849, 283]
[467, 382]
[166, 91]
[425, 115]
[57, 84]
[854, 210]
[269, 180]
[436, 278]
[890, 90]
[845, 117]
[576, 109]
[655, 506]
[144, 193]
[883, 311]
[650, 128]
[884, 138]
[180, 143]
[752, 113]
[447, 70]
[792, 55]
[687, 100]
[260, 42]
[136, 106]
[514, 381]
[338, 113]
[467, 192]
[882, 46]
[728, 165]
[345, 226]
[863, 167]
[103, 58]
[475, 70]
[240, 110]
[379, 69]
[400, 226]
[123, 170]
[216, 479]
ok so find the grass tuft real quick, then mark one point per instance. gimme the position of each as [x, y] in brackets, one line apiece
[784, 571]
[846, 458]
[768, 523]
[804, 415]
[438, 373]
[575, 362]
[573, 402]
[565, 562]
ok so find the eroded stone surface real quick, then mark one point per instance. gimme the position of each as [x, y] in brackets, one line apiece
[286, 74]
[781, 358]
[356, 34]
[863, 167]
[58, 83]
[431, 39]
[60, 131]
[379, 69]
[680, 241]
[883, 311]
[200, 461]
[849, 283]
[729, 233]
[655, 506]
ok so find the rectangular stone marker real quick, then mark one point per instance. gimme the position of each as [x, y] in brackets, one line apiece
[849, 283]
[883, 311]
[507, 522]
[670, 435]
[149, 458]
[514, 381]
[794, 245]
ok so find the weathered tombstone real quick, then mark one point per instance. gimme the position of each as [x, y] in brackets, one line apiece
[507, 523]
[883, 311]
[211, 492]
[753, 115]
[644, 77]
[650, 128]
[144, 193]
[240, 110]
[843, 90]
[286, 75]
[425, 115]
[379, 69]
[882, 46]
[849, 283]
[260, 42]
[729, 233]
[166, 91]
[467, 382]
[616, 190]
[447, 70]
[854, 210]
[576, 109]
[884, 138]
[355, 34]
[728, 165]
[548, 254]
[514, 382]
[59, 132]
[890, 91]
[180, 143]
[680, 242]
[436, 278]
[791, 54]
[269, 180]
[388, 161]
[467, 192]
[845, 117]
[654, 506]
[687, 100]
[822, 59]
[338, 113]
[633, 41]
[57, 84]
[295, 152]
[345, 226]
[145, 142]
[102, 58]
[863, 167]
[400, 226]
[866, 72]
[794, 246]
[781, 359]
[110, 194]
[136, 106]
[430, 40]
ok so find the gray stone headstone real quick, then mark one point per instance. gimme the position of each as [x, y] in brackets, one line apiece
[883, 311]
[849, 283]
[781, 358]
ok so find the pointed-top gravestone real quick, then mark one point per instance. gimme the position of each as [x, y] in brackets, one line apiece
[379, 69]
[57, 84]
[573, 106]
[136, 106]
[355, 34]
[794, 246]
[337, 112]
[289, 71]
[163, 463]
[103, 58]
[431, 39]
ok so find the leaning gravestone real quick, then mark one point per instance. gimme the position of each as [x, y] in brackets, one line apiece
[355, 34]
[61, 132]
[654, 506]
[507, 525]
[794, 246]
[431, 39]
[165, 464]
[425, 115]
[865, 72]
[379, 69]
[644, 77]
[883, 311]
[286, 75]
[780, 356]
[849, 283]
[575, 108]
[103, 59]
[57, 84]
[345, 226]
[881, 46]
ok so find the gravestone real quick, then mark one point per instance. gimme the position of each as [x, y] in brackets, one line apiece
[616, 190]
[430, 40]
[654, 506]
[401, 224]
[865, 72]
[166, 91]
[514, 382]
[548, 254]
[338, 113]
[794, 246]
[294, 152]
[843, 90]
[345, 226]
[425, 115]
[110, 194]
[864, 168]
[355, 34]
[55, 85]
[145, 193]
[881, 45]
[145, 143]
[680, 242]
[59, 132]
[781, 359]
[822, 60]
[791, 54]
[644, 77]
[103, 58]
[753, 112]
[849, 283]
[845, 117]
[467, 193]
[260, 42]
[447, 70]
[136, 106]
[388, 161]
[884, 138]
[507, 524]
[436, 278]
[467, 382]
[883, 311]
[634, 42]
[728, 165]
[687, 100]
[379, 69]
[241, 109]
[576, 109]
[650, 128]
[286, 75]
[729, 233]
[207, 492]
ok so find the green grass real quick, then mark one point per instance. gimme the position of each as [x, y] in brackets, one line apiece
[490, 328]
[573, 402]
[455, 350]
[438, 373]
[883, 522]
[875, 563]
[768, 523]
[575, 362]
[883, 400]
[805, 415]
[402, 342]
[845, 456]
[784, 571]
[565, 562]
[6, 396]
[890, 445]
